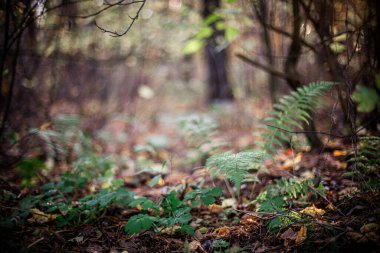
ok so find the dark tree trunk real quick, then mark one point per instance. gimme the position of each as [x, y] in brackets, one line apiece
[290, 68]
[219, 88]
[261, 11]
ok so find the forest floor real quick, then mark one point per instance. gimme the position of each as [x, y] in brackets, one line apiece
[345, 219]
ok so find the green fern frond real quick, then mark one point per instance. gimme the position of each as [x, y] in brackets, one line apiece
[290, 113]
[368, 154]
[234, 167]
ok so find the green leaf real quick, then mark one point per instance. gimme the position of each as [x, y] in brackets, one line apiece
[231, 33]
[138, 223]
[212, 18]
[220, 244]
[208, 200]
[204, 33]
[193, 45]
[337, 47]
[216, 192]
[367, 98]
[154, 181]
[186, 229]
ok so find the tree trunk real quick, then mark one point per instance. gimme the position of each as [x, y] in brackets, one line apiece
[290, 68]
[219, 88]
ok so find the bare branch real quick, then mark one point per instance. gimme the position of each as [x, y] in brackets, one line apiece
[117, 34]
[266, 68]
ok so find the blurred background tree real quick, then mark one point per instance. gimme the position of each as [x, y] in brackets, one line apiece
[69, 57]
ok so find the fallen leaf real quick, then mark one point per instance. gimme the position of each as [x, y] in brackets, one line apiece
[373, 236]
[40, 217]
[170, 230]
[45, 126]
[231, 202]
[313, 211]
[288, 234]
[357, 237]
[370, 227]
[292, 162]
[214, 208]
[194, 245]
[339, 153]
[301, 235]
[222, 232]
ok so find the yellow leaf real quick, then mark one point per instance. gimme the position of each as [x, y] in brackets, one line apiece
[40, 217]
[313, 211]
[222, 232]
[45, 126]
[292, 162]
[301, 235]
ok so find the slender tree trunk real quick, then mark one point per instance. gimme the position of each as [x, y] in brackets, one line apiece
[218, 85]
[290, 68]
[262, 15]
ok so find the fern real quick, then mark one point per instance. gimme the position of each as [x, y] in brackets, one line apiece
[290, 113]
[234, 167]
[367, 162]
[368, 154]
[275, 199]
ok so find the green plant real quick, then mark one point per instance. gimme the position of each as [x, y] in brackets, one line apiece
[219, 245]
[29, 168]
[289, 114]
[277, 197]
[199, 133]
[366, 161]
[235, 167]
[172, 213]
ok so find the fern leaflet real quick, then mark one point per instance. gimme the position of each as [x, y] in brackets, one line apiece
[234, 167]
[290, 113]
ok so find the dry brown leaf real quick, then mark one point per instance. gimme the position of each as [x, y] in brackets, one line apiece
[170, 230]
[214, 208]
[313, 211]
[45, 126]
[222, 232]
[301, 235]
[40, 217]
[289, 234]
[194, 245]
[373, 236]
[357, 237]
[292, 162]
[248, 219]
[370, 227]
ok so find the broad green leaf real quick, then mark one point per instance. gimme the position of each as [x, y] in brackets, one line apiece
[208, 200]
[138, 223]
[367, 98]
[231, 33]
[204, 33]
[186, 229]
